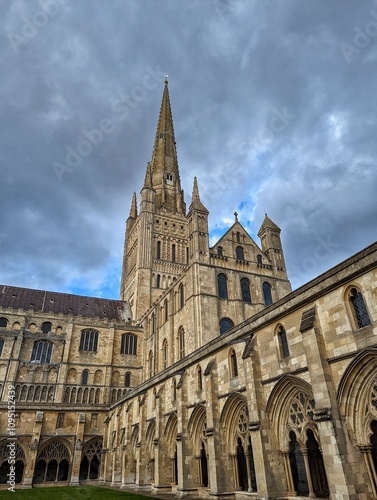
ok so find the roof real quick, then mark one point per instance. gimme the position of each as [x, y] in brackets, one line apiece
[63, 303]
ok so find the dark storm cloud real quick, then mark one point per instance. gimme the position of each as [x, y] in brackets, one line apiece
[274, 108]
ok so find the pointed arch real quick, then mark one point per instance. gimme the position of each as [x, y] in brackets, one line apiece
[197, 425]
[354, 392]
[91, 459]
[53, 462]
[235, 403]
[170, 433]
[278, 405]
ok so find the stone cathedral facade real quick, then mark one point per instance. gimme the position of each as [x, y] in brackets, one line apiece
[209, 377]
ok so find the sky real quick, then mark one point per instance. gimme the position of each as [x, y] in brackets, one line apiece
[274, 107]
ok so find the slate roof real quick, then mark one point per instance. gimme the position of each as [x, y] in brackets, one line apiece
[55, 303]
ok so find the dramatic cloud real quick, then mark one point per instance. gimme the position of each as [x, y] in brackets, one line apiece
[274, 107]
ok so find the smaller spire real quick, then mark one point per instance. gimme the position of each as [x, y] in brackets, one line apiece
[196, 204]
[148, 178]
[268, 224]
[133, 210]
[235, 216]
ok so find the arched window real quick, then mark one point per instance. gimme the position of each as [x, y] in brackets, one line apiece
[283, 342]
[222, 286]
[150, 364]
[158, 281]
[128, 344]
[245, 290]
[165, 354]
[166, 310]
[1, 346]
[3, 322]
[359, 308]
[84, 377]
[220, 251]
[240, 253]
[181, 296]
[259, 259]
[267, 293]
[174, 391]
[238, 235]
[199, 378]
[89, 340]
[42, 350]
[173, 253]
[225, 325]
[127, 380]
[181, 341]
[158, 250]
[233, 368]
[46, 327]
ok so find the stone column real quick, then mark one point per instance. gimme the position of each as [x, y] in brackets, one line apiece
[77, 454]
[34, 447]
[326, 414]
[368, 460]
[308, 473]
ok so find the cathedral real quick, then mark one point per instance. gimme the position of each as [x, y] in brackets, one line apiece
[209, 377]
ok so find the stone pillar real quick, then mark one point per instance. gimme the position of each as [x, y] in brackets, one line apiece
[220, 467]
[369, 465]
[34, 447]
[141, 459]
[308, 473]
[326, 414]
[77, 454]
[268, 467]
[288, 472]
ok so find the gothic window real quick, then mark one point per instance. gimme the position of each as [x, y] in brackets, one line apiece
[166, 308]
[90, 463]
[165, 354]
[128, 344]
[150, 364]
[158, 253]
[220, 251]
[238, 235]
[52, 463]
[267, 293]
[245, 290]
[174, 394]
[89, 340]
[173, 253]
[181, 340]
[233, 368]
[240, 253]
[259, 259]
[222, 286]
[127, 380]
[181, 296]
[199, 378]
[46, 327]
[3, 322]
[158, 281]
[84, 377]
[42, 350]
[283, 342]
[60, 421]
[359, 308]
[225, 325]
[1, 346]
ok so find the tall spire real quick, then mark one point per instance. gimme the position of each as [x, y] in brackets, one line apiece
[196, 204]
[133, 209]
[164, 163]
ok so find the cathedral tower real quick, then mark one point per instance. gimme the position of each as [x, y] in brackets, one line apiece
[156, 240]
